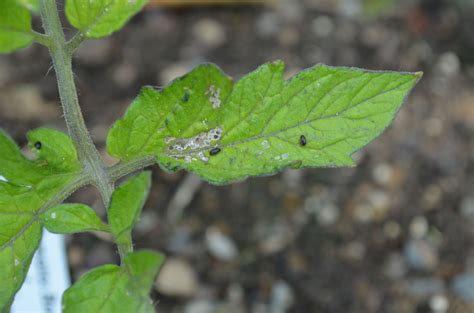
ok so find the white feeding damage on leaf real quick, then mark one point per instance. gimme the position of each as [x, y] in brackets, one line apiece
[265, 144]
[193, 148]
[214, 96]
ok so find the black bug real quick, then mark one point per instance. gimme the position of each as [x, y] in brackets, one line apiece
[38, 145]
[302, 140]
[214, 151]
[186, 97]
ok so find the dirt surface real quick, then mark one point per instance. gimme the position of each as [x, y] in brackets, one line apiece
[393, 235]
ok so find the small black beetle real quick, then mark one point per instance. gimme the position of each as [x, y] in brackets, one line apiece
[214, 151]
[302, 140]
[186, 96]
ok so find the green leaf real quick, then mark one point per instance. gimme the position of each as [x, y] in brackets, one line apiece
[100, 18]
[31, 5]
[263, 123]
[126, 205]
[143, 267]
[15, 26]
[58, 150]
[181, 108]
[72, 218]
[25, 188]
[111, 288]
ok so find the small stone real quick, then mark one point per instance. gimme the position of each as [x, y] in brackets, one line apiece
[425, 287]
[227, 307]
[276, 238]
[209, 32]
[259, 307]
[392, 230]
[125, 74]
[235, 294]
[267, 25]
[439, 303]
[200, 306]
[434, 127]
[432, 196]
[177, 279]
[326, 212]
[180, 241]
[382, 174]
[220, 245]
[363, 213]
[322, 26]
[395, 266]
[373, 35]
[463, 286]
[345, 32]
[147, 222]
[281, 298]
[289, 36]
[374, 208]
[380, 200]
[350, 8]
[467, 207]
[419, 227]
[290, 11]
[354, 251]
[448, 64]
[421, 255]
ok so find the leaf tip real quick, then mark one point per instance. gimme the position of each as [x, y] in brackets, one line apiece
[278, 64]
[419, 75]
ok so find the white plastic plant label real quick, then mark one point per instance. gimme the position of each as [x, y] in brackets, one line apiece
[47, 278]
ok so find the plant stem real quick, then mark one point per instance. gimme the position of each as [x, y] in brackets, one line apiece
[62, 61]
[124, 168]
[124, 248]
[40, 38]
[74, 42]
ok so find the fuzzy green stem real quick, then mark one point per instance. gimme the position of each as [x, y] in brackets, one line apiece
[40, 38]
[62, 61]
[74, 43]
[124, 168]
[124, 248]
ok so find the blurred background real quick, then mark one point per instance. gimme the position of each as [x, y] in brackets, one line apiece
[393, 235]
